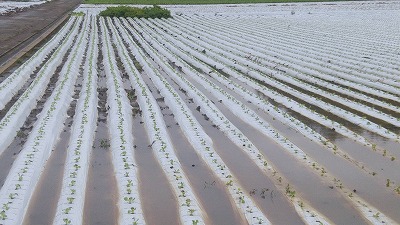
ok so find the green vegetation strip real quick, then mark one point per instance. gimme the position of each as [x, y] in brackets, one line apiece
[194, 2]
[146, 12]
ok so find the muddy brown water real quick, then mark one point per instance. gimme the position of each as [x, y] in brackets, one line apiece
[352, 177]
[342, 169]
[50, 86]
[355, 111]
[211, 192]
[155, 191]
[43, 204]
[390, 145]
[253, 180]
[309, 185]
[350, 125]
[387, 100]
[41, 209]
[279, 209]
[370, 104]
[362, 154]
[10, 154]
[360, 219]
[101, 197]
[156, 194]
[101, 190]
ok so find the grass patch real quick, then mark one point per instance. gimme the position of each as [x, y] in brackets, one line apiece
[146, 12]
[77, 14]
[194, 2]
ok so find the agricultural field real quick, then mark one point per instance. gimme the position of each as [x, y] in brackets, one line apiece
[223, 114]
[7, 7]
[193, 2]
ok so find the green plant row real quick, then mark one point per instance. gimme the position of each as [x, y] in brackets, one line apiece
[146, 12]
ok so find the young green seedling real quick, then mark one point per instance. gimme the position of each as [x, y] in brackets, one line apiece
[67, 210]
[3, 215]
[132, 210]
[67, 221]
[70, 200]
[129, 200]
[191, 211]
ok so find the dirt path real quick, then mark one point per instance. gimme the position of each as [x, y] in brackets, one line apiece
[19, 30]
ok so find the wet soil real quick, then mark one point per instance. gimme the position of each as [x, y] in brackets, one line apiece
[339, 167]
[155, 190]
[10, 154]
[8, 71]
[373, 119]
[211, 192]
[43, 204]
[305, 181]
[101, 191]
[22, 28]
[42, 207]
[50, 86]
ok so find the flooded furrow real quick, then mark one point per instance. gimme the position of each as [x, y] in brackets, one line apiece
[338, 92]
[43, 204]
[392, 147]
[10, 154]
[101, 196]
[155, 190]
[355, 111]
[305, 181]
[101, 190]
[346, 172]
[350, 125]
[260, 187]
[362, 154]
[50, 86]
[387, 100]
[211, 192]
[340, 168]
[269, 199]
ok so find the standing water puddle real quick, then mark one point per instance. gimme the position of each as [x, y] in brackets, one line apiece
[253, 180]
[210, 191]
[101, 197]
[305, 181]
[43, 204]
[339, 167]
[9, 155]
[155, 191]
[101, 190]
[156, 194]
